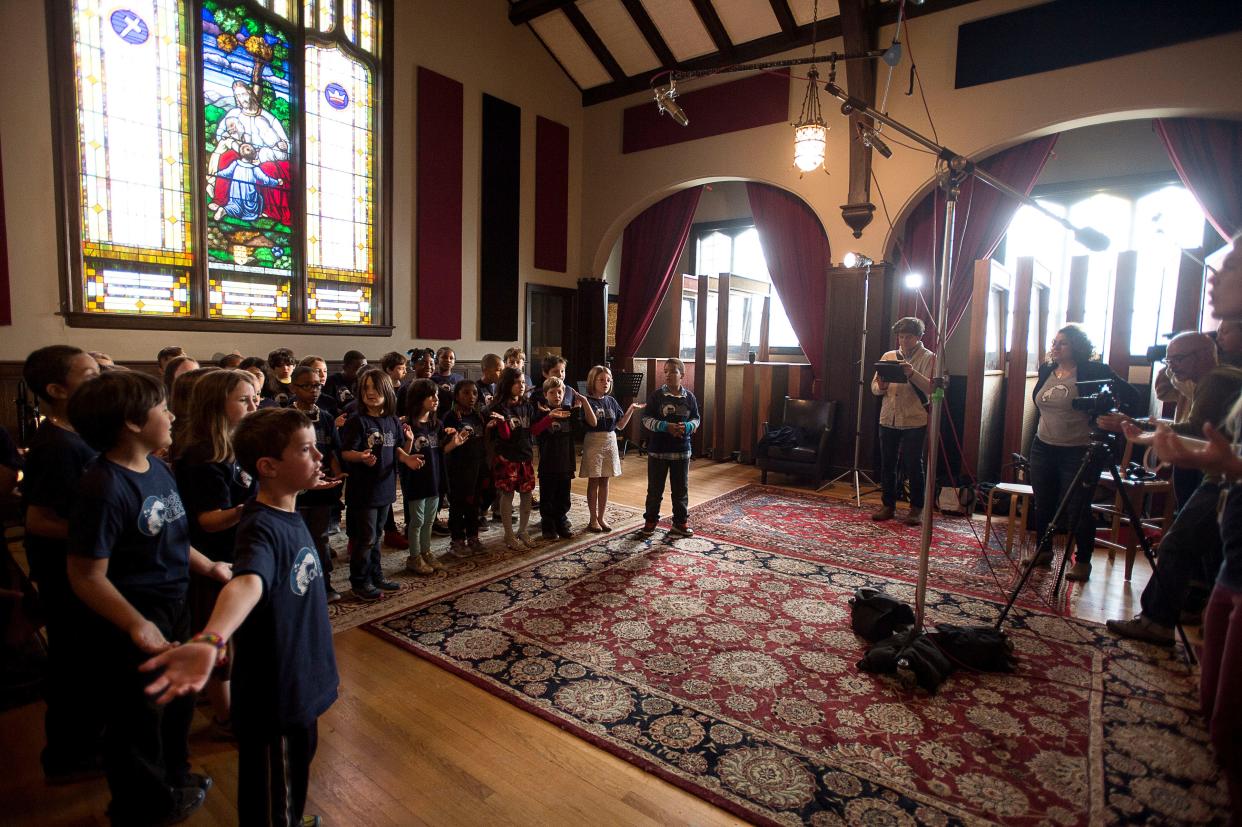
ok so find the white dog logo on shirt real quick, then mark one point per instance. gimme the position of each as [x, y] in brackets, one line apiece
[158, 512]
[305, 571]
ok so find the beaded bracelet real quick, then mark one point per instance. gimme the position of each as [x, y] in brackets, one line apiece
[210, 637]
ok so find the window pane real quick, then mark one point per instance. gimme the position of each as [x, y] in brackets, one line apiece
[780, 331]
[748, 256]
[715, 255]
[249, 174]
[133, 144]
[349, 21]
[366, 25]
[1165, 222]
[688, 322]
[340, 186]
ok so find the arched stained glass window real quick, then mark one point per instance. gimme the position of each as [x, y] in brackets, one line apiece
[226, 161]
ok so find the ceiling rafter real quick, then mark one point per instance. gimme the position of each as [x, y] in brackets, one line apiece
[593, 42]
[743, 53]
[650, 31]
[525, 11]
[711, 22]
[859, 31]
[784, 16]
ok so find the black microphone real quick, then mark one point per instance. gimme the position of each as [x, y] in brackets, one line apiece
[1092, 239]
[872, 138]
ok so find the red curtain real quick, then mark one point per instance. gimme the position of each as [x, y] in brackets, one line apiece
[983, 215]
[650, 248]
[1207, 155]
[795, 248]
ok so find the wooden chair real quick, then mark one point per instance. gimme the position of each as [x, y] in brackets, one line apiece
[1145, 496]
[1020, 496]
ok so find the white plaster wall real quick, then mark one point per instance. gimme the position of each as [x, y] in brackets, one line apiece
[1197, 78]
[471, 41]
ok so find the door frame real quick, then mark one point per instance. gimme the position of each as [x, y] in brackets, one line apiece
[568, 295]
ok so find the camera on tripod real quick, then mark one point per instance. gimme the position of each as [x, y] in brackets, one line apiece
[1101, 402]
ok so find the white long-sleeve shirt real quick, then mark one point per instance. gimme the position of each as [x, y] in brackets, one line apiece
[902, 407]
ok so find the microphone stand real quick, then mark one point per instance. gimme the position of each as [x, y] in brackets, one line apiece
[957, 169]
[855, 474]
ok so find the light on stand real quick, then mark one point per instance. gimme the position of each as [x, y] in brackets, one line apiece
[913, 281]
[853, 259]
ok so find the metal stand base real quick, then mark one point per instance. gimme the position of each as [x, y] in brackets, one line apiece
[856, 476]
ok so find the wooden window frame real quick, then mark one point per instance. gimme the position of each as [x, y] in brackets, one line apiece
[68, 190]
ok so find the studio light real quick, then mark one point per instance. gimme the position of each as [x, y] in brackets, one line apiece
[913, 281]
[853, 259]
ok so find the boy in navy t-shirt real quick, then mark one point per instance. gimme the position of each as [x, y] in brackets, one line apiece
[316, 505]
[672, 416]
[54, 463]
[284, 671]
[555, 421]
[130, 561]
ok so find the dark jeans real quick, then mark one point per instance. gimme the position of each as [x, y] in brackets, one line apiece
[678, 473]
[145, 749]
[1189, 549]
[273, 774]
[1052, 470]
[554, 502]
[318, 519]
[904, 445]
[465, 496]
[73, 729]
[365, 528]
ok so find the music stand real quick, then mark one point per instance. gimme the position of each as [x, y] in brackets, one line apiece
[625, 387]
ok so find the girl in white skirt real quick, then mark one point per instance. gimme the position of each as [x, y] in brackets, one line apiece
[600, 458]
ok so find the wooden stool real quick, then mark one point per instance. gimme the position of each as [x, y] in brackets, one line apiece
[1020, 496]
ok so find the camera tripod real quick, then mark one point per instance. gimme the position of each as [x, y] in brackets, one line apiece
[1097, 459]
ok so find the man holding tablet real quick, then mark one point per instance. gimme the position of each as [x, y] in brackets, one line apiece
[905, 386]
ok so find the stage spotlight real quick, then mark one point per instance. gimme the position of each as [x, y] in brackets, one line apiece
[913, 281]
[852, 260]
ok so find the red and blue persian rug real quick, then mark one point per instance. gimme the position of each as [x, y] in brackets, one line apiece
[813, 527]
[729, 670]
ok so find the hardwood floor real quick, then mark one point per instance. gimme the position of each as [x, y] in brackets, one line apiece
[411, 744]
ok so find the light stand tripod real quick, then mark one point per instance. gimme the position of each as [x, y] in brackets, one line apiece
[855, 474]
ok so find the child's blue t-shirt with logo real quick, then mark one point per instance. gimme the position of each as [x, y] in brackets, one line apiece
[136, 521]
[372, 486]
[284, 671]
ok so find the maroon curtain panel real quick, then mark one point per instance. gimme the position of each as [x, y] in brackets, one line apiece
[650, 248]
[1207, 155]
[983, 215]
[795, 248]
[439, 203]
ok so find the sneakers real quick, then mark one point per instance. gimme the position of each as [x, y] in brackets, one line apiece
[395, 539]
[185, 800]
[333, 595]
[1080, 572]
[548, 533]
[433, 561]
[647, 530]
[416, 564]
[457, 548]
[564, 532]
[367, 593]
[196, 779]
[1142, 628]
[1043, 560]
[884, 512]
[474, 544]
[387, 585]
[440, 528]
[681, 531]
[915, 517]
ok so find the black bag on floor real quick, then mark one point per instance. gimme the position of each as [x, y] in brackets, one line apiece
[981, 648]
[919, 661]
[875, 616]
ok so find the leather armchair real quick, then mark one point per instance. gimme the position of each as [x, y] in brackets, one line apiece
[813, 424]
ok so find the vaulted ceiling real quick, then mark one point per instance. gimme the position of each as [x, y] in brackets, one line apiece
[611, 48]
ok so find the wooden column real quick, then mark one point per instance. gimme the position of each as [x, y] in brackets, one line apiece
[589, 338]
[750, 427]
[1076, 301]
[1123, 313]
[700, 361]
[720, 399]
[980, 305]
[1188, 304]
[765, 351]
[1015, 370]
[842, 335]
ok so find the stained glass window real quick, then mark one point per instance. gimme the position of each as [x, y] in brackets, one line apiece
[245, 190]
[133, 142]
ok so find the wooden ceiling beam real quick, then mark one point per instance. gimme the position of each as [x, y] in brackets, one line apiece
[525, 11]
[858, 33]
[744, 53]
[594, 43]
[784, 16]
[651, 32]
[711, 21]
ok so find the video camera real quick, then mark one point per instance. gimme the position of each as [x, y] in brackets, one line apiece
[1101, 402]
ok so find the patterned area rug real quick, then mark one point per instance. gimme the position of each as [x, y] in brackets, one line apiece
[820, 529]
[729, 671]
[494, 561]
